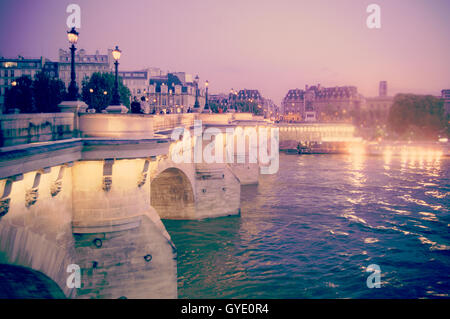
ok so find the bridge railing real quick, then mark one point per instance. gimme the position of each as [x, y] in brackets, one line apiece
[38, 127]
[167, 122]
[18, 129]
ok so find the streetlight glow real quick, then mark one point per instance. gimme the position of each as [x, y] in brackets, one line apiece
[72, 35]
[116, 53]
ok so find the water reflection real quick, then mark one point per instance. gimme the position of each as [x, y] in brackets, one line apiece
[412, 158]
[311, 230]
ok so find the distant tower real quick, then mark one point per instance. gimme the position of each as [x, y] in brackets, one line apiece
[446, 98]
[383, 88]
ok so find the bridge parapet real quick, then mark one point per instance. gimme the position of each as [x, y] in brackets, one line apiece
[131, 126]
[18, 129]
[166, 122]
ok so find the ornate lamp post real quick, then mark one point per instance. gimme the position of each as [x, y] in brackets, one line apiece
[196, 105]
[169, 106]
[116, 96]
[206, 109]
[72, 35]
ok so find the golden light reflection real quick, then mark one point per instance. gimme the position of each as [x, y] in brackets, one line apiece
[387, 156]
[357, 153]
[412, 157]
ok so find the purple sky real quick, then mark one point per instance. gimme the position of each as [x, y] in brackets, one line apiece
[272, 46]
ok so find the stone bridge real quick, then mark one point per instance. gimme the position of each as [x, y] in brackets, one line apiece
[91, 189]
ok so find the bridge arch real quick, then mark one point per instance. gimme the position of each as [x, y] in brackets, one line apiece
[38, 255]
[172, 194]
[18, 282]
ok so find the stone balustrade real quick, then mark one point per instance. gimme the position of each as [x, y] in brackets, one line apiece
[132, 126]
[31, 128]
[165, 122]
[18, 129]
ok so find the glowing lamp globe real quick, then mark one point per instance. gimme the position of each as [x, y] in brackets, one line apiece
[72, 35]
[116, 53]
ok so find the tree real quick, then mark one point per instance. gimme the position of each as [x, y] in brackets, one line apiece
[20, 95]
[97, 91]
[250, 107]
[214, 106]
[47, 93]
[417, 117]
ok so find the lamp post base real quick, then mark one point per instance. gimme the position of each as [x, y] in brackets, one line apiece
[73, 107]
[117, 109]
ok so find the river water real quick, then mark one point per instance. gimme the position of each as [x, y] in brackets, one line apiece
[311, 230]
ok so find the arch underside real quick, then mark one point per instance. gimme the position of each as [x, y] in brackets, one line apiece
[172, 195]
[17, 282]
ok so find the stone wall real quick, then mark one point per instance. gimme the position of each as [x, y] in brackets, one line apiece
[135, 263]
[170, 121]
[62, 218]
[135, 126]
[39, 127]
[221, 119]
[116, 228]
[218, 192]
[193, 191]
[36, 232]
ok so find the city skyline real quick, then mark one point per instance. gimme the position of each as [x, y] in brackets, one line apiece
[272, 47]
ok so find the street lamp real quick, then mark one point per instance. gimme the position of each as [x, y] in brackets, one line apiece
[206, 108]
[169, 107]
[116, 96]
[91, 90]
[196, 105]
[72, 35]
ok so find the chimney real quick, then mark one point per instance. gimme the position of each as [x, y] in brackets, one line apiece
[382, 90]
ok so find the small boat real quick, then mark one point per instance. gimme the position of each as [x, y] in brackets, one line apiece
[304, 150]
[291, 151]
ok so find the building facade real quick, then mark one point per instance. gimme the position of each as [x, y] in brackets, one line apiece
[379, 106]
[293, 105]
[316, 103]
[382, 90]
[445, 95]
[85, 65]
[13, 68]
[136, 81]
[271, 110]
[174, 93]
